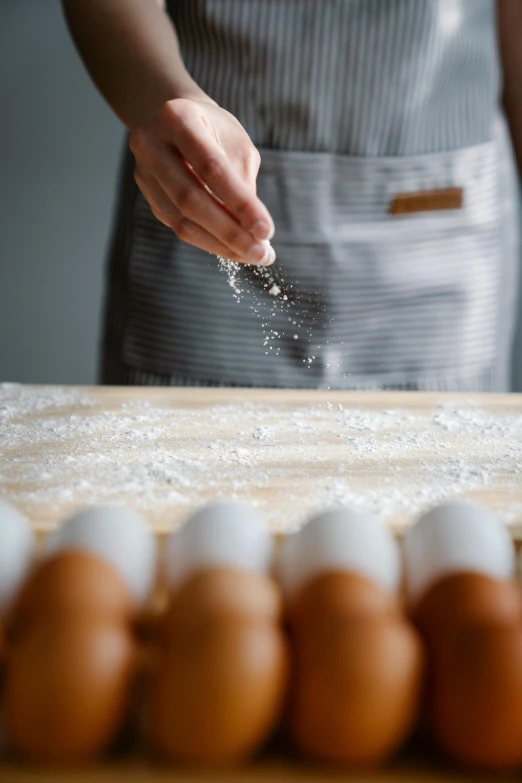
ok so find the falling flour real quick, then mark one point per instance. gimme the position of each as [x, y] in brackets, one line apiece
[279, 304]
[61, 448]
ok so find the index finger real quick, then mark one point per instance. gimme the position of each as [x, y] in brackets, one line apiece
[216, 171]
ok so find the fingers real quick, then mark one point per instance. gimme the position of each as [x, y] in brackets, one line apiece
[206, 166]
[196, 204]
[190, 135]
[188, 231]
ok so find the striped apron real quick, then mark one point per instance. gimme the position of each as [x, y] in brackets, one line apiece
[351, 103]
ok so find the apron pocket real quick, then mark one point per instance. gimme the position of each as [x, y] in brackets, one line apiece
[380, 298]
[410, 297]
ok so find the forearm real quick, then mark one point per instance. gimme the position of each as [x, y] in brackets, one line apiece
[131, 51]
[510, 34]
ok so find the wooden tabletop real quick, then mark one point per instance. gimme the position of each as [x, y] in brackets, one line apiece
[164, 452]
[260, 773]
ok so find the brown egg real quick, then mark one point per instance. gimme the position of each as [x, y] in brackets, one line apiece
[220, 592]
[219, 689]
[76, 582]
[68, 685]
[463, 598]
[356, 689]
[224, 658]
[340, 594]
[475, 707]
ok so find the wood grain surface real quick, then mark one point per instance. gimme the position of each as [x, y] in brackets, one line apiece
[269, 772]
[164, 452]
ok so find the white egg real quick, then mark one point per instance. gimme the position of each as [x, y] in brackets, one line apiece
[455, 537]
[16, 552]
[225, 534]
[116, 535]
[340, 540]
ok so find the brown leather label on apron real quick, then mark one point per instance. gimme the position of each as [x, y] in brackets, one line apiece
[427, 201]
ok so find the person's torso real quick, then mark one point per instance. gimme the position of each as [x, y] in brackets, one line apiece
[352, 103]
[356, 77]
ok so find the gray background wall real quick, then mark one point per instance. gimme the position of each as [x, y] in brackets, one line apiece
[59, 152]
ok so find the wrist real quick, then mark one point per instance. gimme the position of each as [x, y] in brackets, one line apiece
[195, 95]
[190, 92]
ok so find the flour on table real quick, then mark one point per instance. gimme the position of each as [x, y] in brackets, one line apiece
[60, 449]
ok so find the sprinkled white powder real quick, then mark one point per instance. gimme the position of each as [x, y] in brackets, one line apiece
[255, 284]
[60, 449]
[231, 269]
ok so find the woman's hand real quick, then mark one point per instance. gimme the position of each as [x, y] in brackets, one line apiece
[197, 168]
[195, 164]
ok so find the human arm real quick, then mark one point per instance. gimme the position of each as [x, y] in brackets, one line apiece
[510, 36]
[131, 50]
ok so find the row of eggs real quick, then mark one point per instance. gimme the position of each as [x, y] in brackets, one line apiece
[453, 537]
[326, 644]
